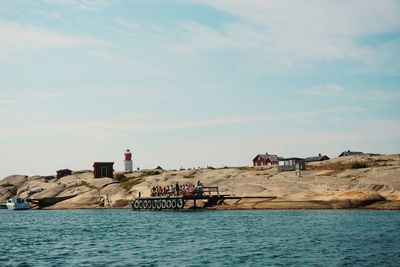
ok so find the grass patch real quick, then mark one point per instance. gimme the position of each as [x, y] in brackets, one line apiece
[120, 176]
[84, 183]
[127, 183]
[244, 168]
[339, 166]
[150, 173]
[358, 165]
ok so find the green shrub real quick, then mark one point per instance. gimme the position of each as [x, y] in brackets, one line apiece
[128, 183]
[358, 165]
[119, 176]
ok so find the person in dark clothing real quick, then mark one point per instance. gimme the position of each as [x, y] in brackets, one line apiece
[177, 188]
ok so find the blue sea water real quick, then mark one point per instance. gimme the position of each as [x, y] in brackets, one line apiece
[205, 238]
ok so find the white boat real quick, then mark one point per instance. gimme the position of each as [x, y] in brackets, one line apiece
[17, 203]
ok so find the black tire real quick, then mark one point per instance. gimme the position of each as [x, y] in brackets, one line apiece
[145, 204]
[140, 204]
[169, 204]
[173, 203]
[159, 204]
[163, 204]
[154, 204]
[179, 203]
[136, 205]
[149, 204]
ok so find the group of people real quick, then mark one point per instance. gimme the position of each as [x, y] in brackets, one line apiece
[177, 190]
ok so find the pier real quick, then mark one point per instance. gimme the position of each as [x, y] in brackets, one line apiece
[210, 196]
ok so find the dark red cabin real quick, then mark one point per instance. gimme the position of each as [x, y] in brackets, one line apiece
[103, 169]
[64, 172]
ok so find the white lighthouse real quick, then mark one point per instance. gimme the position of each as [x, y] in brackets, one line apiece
[128, 160]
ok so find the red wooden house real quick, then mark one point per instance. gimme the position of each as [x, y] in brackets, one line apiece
[265, 160]
[103, 169]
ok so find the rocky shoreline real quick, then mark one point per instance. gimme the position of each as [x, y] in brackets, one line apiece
[332, 184]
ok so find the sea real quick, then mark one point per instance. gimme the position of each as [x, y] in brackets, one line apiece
[201, 238]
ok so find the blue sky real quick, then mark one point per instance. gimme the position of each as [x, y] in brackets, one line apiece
[195, 82]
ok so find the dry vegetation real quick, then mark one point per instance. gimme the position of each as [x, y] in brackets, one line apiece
[127, 183]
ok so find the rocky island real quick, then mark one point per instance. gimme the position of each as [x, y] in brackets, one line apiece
[363, 181]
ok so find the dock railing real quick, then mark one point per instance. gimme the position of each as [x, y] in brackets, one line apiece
[209, 190]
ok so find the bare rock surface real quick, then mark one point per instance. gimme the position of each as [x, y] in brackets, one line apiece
[363, 181]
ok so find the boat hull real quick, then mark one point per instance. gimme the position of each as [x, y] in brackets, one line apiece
[16, 206]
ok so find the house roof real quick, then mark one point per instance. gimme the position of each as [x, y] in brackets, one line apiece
[102, 163]
[64, 170]
[294, 158]
[316, 158]
[273, 158]
[350, 153]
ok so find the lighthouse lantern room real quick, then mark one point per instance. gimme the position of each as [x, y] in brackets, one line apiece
[128, 160]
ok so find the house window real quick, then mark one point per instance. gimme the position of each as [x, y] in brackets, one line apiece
[104, 172]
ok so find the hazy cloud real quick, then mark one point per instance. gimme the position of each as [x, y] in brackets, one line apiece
[291, 31]
[19, 37]
[83, 4]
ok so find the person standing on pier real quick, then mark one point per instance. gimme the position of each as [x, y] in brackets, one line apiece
[177, 188]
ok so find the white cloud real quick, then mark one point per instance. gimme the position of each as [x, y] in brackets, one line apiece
[83, 4]
[18, 37]
[292, 31]
[337, 91]
[129, 123]
[326, 90]
[6, 101]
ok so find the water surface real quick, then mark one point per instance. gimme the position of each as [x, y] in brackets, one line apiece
[206, 238]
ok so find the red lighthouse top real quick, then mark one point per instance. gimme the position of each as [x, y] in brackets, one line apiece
[128, 155]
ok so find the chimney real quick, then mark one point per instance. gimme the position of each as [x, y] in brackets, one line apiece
[348, 150]
[266, 153]
[319, 154]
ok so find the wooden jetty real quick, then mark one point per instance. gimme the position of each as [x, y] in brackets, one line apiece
[210, 196]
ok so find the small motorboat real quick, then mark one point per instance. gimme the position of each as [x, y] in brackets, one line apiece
[17, 203]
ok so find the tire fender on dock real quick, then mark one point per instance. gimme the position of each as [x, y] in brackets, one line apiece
[164, 204]
[159, 204]
[169, 204]
[145, 204]
[173, 203]
[154, 204]
[179, 203]
[136, 204]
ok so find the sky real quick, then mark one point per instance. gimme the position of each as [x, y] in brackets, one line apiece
[195, 83]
